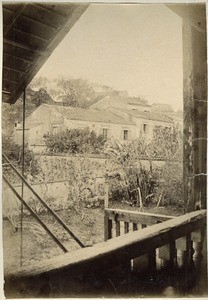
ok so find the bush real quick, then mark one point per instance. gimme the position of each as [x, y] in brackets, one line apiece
[13, 152]
[75, 141]
[117, 190]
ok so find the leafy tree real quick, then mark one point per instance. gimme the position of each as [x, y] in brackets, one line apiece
[40, 97]
[166, 142]
[74, 141]
[75, 92]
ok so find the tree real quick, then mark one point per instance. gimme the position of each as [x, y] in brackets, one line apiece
[75, 92]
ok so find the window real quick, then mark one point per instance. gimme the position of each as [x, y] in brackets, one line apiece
[55, 128]
[144, 128]
[105, 133]
[125, 135]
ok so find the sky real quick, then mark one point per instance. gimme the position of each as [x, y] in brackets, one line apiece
[132, 47]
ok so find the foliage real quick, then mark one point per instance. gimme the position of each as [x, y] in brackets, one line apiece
[75, 92]
[166, 144]
[13, 152]
[40, 97]
[74, 141]
[14, 113]
[172, 185]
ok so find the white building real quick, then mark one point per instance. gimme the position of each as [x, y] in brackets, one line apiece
[50, 118]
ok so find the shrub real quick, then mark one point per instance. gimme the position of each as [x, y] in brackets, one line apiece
[74, 141]
[13, 152]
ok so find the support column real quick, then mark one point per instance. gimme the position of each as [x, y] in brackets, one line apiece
[195, 116]
[23, 171]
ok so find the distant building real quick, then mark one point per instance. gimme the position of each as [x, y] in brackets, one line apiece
[121, 101]
[146, 121]
[162, 107]
[51, 118]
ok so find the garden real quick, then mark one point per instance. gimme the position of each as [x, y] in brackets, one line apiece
[135, 176]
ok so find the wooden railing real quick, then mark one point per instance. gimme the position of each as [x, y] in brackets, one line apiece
[177, 252]
[118, 222]
[178, 242]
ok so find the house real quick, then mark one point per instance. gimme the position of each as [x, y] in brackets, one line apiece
[121, 101]
[51, 118]
[146, 121]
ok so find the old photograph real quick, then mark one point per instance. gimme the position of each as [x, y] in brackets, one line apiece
[104, 150]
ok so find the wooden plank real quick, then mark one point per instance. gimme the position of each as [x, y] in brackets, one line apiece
[24, 47]
[116, 251]
[136, 217]
[15, 16]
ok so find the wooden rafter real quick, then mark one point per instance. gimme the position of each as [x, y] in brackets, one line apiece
[14, 19]
[24, 47]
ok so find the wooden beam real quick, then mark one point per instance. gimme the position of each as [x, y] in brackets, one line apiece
[13, 69]
[195, 116]
[31, 35]
[24, 47]
[19, 57]
[191, 13]
[15, 16]
[136, 217]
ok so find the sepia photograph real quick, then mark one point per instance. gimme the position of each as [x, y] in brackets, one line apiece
[104, 149]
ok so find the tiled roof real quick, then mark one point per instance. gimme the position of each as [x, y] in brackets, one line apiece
[72, 113]
[148, 115]
[117, 101]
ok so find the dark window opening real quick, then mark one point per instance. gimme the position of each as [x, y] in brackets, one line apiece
[126, 134]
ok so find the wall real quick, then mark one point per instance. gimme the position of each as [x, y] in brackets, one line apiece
[115, 130]
[62, 176]
[51, 190]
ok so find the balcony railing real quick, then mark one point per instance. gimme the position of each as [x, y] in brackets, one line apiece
[176, 242]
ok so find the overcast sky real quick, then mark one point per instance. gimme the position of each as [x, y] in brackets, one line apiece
[137, 48]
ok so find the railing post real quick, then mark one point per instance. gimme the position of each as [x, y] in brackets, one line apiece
[196, 237]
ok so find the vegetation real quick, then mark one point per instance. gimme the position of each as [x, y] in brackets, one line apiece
[164, 183]
[13, 152]
[74, 141]
[75, 92]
